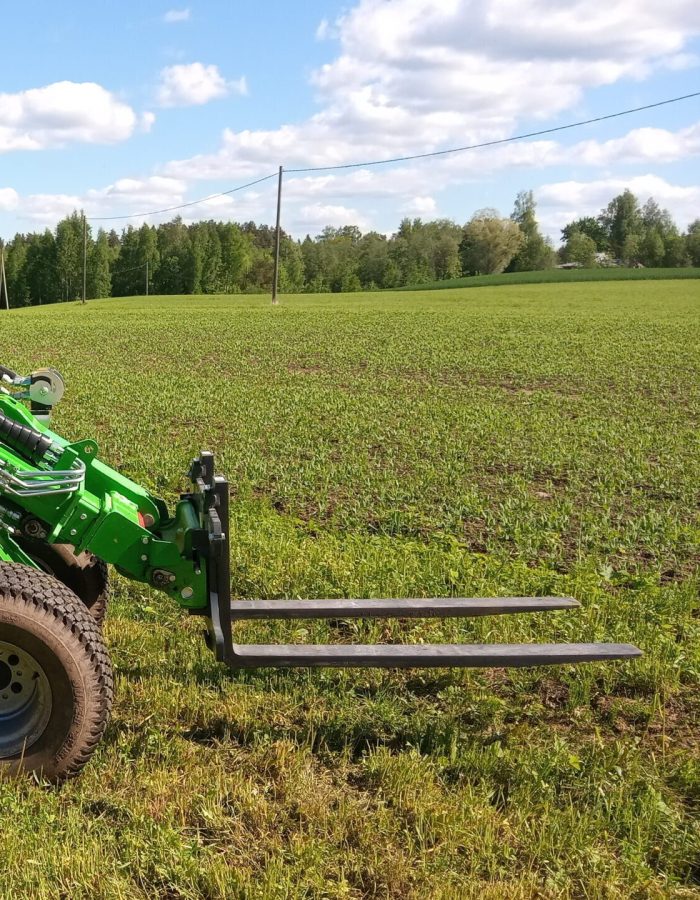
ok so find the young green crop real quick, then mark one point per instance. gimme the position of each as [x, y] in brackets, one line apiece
[522, 440]
[561, 276]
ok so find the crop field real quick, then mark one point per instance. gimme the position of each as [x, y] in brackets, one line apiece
[533, 439]
[562, 276]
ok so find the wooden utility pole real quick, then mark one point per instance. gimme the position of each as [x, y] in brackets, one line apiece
[147, 278]
[276, 272]
[84, 258]
[3, 279]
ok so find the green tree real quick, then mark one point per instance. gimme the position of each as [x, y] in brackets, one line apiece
[16, 271]
[99, 279]
[291, 275]
[631, 249]
[536, 252]
[590, 226]
[443, 238]
[147, 257]
[693, 242]
[174, 272]
[259, 275]
[339, 251]
[489, 243]
[314, 275]
[350, 283]
[662, 243]
[41, 271]
[127, 277]
[652, 249]
[580, 248]
[425, 251]
[675, 249]
[69, 255]
[235, 256]
[654, 217]
[211, 276]
[622, 222]
[373, 260]
[213, 256]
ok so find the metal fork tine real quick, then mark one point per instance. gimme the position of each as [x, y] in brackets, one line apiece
[415, 608]
[425, 655]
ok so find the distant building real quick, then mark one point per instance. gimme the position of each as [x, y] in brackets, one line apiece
[605, 260]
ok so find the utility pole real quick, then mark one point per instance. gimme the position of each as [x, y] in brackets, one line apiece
[84, 258]
[276, 272]
[147, 278]
[3, 278]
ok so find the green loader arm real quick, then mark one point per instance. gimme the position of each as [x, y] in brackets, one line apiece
[60, 492]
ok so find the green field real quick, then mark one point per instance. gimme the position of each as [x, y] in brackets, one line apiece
[521, 440]
[561, 276]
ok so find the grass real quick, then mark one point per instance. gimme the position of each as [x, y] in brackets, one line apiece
[560, 276]
[528, 439]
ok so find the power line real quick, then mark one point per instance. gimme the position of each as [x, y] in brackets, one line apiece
[517, 137]
[409, 158]
[130, 269]
[155, 212]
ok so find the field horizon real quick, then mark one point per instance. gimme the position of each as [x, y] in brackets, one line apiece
[562, 276]
[528, 440]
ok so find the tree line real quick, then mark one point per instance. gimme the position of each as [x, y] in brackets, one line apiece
[225, 257]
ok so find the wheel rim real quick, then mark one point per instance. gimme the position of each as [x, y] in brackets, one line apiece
[25, 700]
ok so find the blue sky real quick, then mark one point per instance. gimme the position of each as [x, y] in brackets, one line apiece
[152, 105]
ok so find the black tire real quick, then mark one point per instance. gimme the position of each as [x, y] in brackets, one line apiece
[52, 650]
[84, 574]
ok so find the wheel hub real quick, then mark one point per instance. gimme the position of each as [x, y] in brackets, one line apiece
[25, 700]
[5, 675]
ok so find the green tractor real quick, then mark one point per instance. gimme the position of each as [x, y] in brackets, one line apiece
[65, 515]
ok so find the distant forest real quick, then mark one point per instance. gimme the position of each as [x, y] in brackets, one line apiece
[219, 257]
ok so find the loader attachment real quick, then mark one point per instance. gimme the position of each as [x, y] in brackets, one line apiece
[210, 497]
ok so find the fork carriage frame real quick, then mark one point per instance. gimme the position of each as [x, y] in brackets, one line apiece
[59, 492]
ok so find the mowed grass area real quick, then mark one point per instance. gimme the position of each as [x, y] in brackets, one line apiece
[521, 440]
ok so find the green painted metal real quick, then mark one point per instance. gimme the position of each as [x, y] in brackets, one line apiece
[108, 514]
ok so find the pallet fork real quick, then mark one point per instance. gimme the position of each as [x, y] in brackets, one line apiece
[211, 496]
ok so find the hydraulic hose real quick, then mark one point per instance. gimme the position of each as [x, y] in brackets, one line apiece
[29, 442]
[7, 373]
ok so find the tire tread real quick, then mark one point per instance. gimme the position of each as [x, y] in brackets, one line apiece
[47, 596]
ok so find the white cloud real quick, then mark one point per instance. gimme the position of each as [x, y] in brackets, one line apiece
[135, 197]
[308, 210]
[422, 207]
[147, 120]
[9, 199]
[176, 15]
[193, 84]
[243, 207]
[239, 86]
[560, 202]
[642, 145]
[415, 76]
[403, 186]
[63, 113]
[314, 217]
[44, 210]
[411, 76]
[324, 30]
[126, 194]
